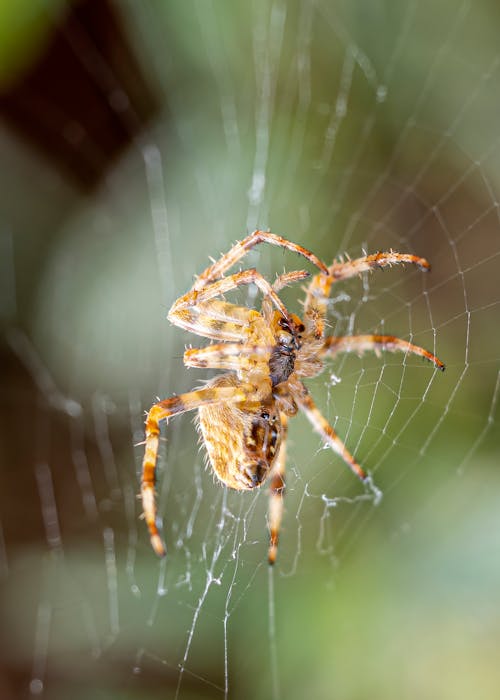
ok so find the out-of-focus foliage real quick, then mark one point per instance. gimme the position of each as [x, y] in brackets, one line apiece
[25, 27]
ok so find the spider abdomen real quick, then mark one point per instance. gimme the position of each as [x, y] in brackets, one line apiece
[242, 439]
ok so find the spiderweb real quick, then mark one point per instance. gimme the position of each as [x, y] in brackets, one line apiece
[347, 127]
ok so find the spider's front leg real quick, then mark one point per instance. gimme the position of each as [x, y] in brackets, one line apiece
[318, 291]
[334, 345]
[199, 302]
[240, 249]
[166, 409]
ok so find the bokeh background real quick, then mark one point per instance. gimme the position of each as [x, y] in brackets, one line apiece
[137, 140]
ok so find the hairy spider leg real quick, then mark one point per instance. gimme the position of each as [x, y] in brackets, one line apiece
[241, 248]
[229, 356]
[277, 493]
[279, 283]
[341, 270]
[318, 291]
[359, 344]
[287, 278]
[218, 320]
[321, 426]
[205, 294]
[315, 305]
[166, 409]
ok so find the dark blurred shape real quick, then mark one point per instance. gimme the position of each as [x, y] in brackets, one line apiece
[85, 98]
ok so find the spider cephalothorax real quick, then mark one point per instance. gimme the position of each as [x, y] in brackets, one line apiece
[243, 414]
[288, 339]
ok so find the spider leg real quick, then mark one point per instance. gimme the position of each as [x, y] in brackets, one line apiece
[318, 291]
[350, 268]
[196, 297]
[361, 343]
[166, 409]
[217, 320]
[279, 283]
[287, 278]
[229, 356]
[240, 249]
[315, 305]
[277, 492]
[321, 426]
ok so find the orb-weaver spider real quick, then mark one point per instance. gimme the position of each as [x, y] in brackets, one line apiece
[243, 414]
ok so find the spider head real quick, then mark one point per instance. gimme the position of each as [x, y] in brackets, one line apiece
[288, 332]
[288, 335]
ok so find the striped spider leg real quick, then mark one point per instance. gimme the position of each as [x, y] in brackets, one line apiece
[318, 291]
[359, 344]
[164, 410]
[276, 493]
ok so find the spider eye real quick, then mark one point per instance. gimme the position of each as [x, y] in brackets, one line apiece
[265, 415]
[301, 328]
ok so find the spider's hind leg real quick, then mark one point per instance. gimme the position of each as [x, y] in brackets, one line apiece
[161, 411]
[277, 492]
[320, 424]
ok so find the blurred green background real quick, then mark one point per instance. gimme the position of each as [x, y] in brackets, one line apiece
[137, 140]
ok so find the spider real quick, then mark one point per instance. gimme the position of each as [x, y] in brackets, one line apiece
[243, 413]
